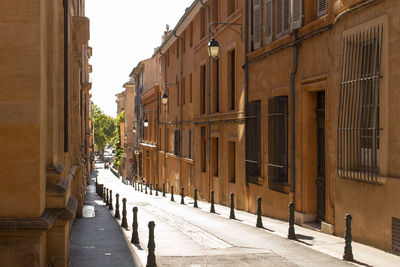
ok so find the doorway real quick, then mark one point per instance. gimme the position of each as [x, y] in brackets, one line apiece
[320, 112]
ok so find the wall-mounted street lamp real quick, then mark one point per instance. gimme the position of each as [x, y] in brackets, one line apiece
[164, 99]
[213, 45]
[146, 123]
[213, 48]
[134, 129]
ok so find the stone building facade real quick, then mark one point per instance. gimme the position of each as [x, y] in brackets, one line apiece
[323, 89]
[297, 108]
[44, 129]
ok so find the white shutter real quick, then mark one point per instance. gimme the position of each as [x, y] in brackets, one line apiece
[256, 24]
[268, 21]
[322, 8]
[296, 13]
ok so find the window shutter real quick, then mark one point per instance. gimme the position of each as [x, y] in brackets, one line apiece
[322, 7]
[256, 24]
[268, 21]
[286, 17]
[282, 17]
[278, 24]
[297, 13]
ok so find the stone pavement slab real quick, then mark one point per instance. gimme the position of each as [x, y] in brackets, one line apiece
[98, 241]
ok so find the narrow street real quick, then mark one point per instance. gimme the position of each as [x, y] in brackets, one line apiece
[188, 236]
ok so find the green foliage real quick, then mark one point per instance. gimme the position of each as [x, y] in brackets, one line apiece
[119, 151]
[104, 128]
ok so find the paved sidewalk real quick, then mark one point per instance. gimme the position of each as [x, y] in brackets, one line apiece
[97, 239]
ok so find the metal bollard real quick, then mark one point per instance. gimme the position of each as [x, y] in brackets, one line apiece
[212, 209]
[141, 187]
[172, 193]
[134, 185]
[124, 221]
[117, 215]
[107, 202]
[163, 190]
[104, 194]
[259, 220]
[195, 198]
[232, 215]
[291, 233]
[151, 189]
[110, 202]
[151, 257]
[135, 235]
[182, 196]
[145, 188]
[348, 250]
[157, 190]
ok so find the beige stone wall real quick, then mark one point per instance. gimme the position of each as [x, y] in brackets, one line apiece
[39, 173]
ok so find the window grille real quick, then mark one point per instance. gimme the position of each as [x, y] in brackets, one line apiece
[358, 116]
[396, 235]
[282, 17]
[253, 141]
[278, 143]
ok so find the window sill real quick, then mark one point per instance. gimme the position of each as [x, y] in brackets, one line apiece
[379, 180]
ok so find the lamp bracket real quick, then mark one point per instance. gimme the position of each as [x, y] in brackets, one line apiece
[213, 27]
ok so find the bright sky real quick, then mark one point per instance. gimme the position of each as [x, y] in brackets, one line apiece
[122, 33]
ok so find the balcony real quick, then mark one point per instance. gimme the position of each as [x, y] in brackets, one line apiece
[81, 30]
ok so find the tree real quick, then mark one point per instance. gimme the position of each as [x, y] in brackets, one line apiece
[119, 151]
[104, 128]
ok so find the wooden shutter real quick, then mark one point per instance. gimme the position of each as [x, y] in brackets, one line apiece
[268, 21]
[256, 24]
[282, 17]
[322, 8]
[297, 13]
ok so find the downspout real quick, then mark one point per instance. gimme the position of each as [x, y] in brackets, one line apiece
[165, 118]
[181, 103]
[208, 102]
[291, 116]
[246, 93]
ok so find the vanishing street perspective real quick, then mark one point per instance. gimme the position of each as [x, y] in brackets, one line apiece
[247, 133]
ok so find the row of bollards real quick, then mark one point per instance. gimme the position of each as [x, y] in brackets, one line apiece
[106, 194]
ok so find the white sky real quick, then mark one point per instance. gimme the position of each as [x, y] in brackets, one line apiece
[122, 33]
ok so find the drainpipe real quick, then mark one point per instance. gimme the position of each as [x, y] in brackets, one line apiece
[165, 119]
[180, 100]
[291, 116]
[208, 102]
[246, 88]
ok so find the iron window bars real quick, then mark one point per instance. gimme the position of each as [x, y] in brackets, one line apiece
[358, 115]
[278, 143]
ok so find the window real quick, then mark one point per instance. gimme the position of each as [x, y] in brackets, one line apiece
[184, 42]
[256, 24]
[230, 7]
[177, 143]
[177, 91]
[202, 23]
[232, 79]
[253, 141]
[183, 91]
[232, 162]
[203, 149]
[289, 15]
[216, 85]
[215, 155]
[322, 7]
[358, 117]
[278, 143]
[190, 144]
[177, 48]
[183, 153]
[268, 21]
[191, 34]
[190, 87]
[203, 89]
[214, 11]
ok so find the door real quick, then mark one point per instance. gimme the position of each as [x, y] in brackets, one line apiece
[320, 156]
